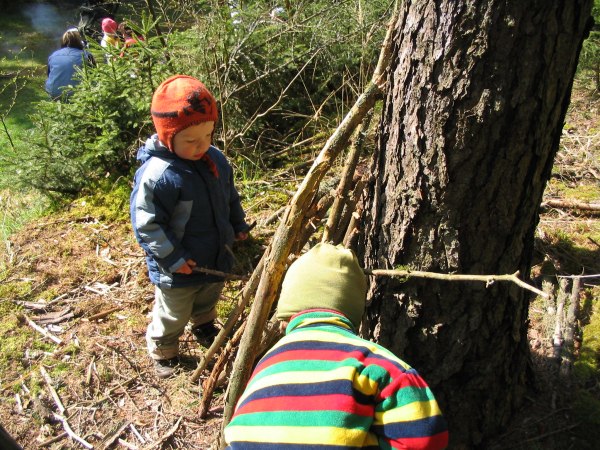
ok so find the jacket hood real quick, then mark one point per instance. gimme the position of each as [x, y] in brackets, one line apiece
[153, 147]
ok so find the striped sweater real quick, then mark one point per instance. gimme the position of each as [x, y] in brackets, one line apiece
[323, 387]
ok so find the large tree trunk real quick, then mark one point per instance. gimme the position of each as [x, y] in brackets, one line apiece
[477, 96]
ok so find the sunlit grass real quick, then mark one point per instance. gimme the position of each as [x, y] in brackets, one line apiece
[23, 56]
[18, 209]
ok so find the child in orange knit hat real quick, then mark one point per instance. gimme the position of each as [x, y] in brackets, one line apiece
[186, 214]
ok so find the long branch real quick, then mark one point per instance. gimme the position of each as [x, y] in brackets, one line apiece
[346, 180]
[488, 279]
[571, 204]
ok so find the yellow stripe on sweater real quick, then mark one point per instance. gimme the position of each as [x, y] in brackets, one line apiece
[366, 385]
[300, 435]
[412, 411]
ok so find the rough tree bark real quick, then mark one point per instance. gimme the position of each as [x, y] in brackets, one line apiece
[476, 100]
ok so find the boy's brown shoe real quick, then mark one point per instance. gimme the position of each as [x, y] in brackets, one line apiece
[166, 368]
[205, 334]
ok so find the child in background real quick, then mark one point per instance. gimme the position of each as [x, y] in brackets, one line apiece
[186, 214]
[130, 39]
[109, 30]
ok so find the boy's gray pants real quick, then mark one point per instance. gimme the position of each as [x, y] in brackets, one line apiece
[173, 309]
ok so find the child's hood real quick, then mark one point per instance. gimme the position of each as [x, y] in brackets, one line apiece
[153, 147]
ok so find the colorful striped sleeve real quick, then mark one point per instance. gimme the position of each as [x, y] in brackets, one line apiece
[408, 415]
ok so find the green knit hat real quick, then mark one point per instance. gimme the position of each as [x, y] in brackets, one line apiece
[326, 276]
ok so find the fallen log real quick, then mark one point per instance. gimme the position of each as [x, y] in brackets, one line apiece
[571, 204]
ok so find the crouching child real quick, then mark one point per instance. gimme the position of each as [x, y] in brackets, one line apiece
[323, 387]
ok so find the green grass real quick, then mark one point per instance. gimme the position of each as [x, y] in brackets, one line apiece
[587, 367]
[587, 373]
[15, 339]
[23, 56]
[110, 202]
[16, 209]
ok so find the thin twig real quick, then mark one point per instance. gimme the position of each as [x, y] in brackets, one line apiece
[42, 331]
[113, 435]
[90, 369]
[488, 279]
[137, 434]
[226, 276]
[274, 216]
[70, 432]
[166, 436]
[53, 392]
[102, 315]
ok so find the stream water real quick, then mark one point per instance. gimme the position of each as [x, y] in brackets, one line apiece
[47, 19]
[39, 26]
[36, 27]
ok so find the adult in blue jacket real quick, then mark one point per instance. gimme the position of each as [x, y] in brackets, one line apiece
[63, 65]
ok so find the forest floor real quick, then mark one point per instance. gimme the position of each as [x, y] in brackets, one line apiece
[82, 279]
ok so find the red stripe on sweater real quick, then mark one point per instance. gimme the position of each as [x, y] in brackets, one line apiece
[334, 402]
[406, 380]
[436, 442]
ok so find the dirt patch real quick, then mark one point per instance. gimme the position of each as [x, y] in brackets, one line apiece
[104, 378]
[100, 372]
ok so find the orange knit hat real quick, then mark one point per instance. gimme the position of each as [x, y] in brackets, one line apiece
[180, 102]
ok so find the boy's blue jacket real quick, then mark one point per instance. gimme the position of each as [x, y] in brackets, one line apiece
[180, 211]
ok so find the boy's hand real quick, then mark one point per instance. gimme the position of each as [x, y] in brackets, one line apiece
[187, 267]
[241, 236]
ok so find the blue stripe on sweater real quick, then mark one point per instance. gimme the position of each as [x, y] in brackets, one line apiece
[336, 387]
[341, 347]
[428, 426]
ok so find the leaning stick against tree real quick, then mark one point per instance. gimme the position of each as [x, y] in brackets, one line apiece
[291, 224]
[346, 180]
